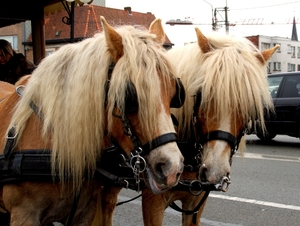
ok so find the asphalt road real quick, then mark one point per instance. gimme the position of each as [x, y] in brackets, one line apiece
[264, 190]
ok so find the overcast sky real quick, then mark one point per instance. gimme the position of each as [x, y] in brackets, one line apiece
[274, 15]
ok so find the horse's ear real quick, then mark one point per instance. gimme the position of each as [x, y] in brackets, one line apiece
[202, 41]
[113, 40]
[266, 54]
[157, 29]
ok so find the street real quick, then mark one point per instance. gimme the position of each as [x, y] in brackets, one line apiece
[264, 190]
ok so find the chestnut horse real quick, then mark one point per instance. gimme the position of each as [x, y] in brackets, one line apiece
[116, 87]
[226, 87]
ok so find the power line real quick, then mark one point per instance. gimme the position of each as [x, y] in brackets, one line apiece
[268, 6]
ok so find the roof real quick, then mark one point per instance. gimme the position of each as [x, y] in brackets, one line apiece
[16, 11]
[294, 31]
[87, 21]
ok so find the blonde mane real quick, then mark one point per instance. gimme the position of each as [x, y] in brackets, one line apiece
[68, 88]
[231, 79]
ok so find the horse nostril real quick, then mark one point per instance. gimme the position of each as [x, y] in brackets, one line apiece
[178, 175]
[202, 173]
[160, 168]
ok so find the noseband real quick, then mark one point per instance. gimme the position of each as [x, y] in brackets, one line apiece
[202, 138]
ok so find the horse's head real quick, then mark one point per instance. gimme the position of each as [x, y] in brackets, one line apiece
[141, 89]
[225, 80]
[234, 91]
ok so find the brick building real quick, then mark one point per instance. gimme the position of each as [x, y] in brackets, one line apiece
[86, 24]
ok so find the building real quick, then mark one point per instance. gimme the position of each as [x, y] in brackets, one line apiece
[287, 57]
[86, 24]
[57, 26]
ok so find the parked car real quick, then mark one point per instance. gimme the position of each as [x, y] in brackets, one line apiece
[285, 91]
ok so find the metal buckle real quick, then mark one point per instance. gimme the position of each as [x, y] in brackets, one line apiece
[19, 90]
[224, 184]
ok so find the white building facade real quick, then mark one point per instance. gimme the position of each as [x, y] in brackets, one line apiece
[286, 58]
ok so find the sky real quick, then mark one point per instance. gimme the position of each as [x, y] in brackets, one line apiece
[253, 17]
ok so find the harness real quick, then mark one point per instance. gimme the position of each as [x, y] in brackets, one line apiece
[116, 168]
[192, 152]
[35, 165]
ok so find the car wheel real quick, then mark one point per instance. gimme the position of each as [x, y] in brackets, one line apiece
[266, 136]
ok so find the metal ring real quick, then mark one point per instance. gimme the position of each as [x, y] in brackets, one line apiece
[200, 186]
[19, 90]
[142, 160]
[225, 184]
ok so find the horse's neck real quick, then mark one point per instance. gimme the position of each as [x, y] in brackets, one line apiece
[8, 99]
[33, 131]
[6, 89]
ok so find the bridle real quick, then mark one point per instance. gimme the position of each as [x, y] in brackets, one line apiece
[199, 139]
[136, 158]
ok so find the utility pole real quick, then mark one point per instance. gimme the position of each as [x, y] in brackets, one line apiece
[226, 19]
[213, 23]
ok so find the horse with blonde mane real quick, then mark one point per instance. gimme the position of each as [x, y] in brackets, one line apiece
[114, 88]
[226, 88]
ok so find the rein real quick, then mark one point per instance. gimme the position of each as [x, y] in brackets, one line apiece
[174, 206]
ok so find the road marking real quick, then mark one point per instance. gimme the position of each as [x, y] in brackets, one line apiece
[256, 202]
[176, 213]
[269, 157]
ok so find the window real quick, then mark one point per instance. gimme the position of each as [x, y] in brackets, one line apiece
[298, 67]
[293, 51]
[290, 87]
[291, 67]
[289, 49]
[269, 67]
[13, 41]
[278, 50]
[277, 66]
[274, 83]
[298, 52]
[265, 46]
[49, 51]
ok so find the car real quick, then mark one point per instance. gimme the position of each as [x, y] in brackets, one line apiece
[284, 88]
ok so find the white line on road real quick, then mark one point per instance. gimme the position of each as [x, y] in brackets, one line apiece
[269, 157]
[256, 202]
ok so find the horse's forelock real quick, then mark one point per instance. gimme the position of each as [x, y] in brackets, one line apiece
[146, 66]
[230, 77]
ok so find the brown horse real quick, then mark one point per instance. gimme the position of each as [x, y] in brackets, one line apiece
[116, 87]
[226, 87]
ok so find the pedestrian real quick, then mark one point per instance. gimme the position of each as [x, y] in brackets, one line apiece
[13, 65]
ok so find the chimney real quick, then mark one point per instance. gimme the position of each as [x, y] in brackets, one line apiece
[128, 10]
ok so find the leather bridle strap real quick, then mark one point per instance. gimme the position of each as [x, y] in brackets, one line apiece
[74, 207]
[219, 135]
[158, 141]
[174, 206]
[146, 148]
